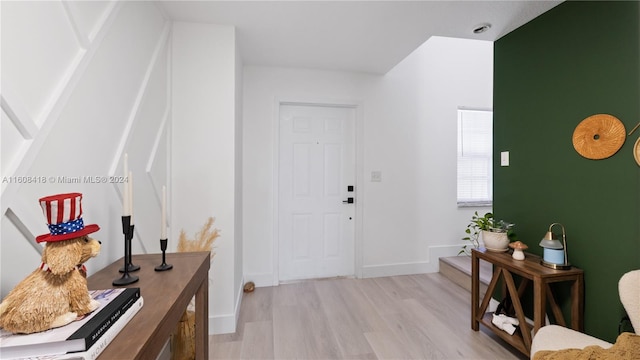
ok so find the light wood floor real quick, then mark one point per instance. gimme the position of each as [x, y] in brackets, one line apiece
[400, 317]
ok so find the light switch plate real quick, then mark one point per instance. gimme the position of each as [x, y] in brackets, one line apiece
[376, 176]
[504, 158]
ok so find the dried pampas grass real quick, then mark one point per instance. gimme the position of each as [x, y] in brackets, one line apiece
[183, 343]
[203, 241]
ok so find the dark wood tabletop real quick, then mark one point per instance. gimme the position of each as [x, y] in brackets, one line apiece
[529, 267]
[166, 295]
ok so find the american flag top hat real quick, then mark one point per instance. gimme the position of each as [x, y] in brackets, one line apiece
[64, 217]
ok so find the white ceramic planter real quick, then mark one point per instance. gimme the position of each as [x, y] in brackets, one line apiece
[495, 241]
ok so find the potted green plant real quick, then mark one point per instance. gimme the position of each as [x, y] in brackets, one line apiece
[496, 234]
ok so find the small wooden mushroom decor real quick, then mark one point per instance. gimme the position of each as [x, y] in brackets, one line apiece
[518, 249]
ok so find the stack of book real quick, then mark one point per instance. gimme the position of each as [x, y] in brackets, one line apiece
[84, 338]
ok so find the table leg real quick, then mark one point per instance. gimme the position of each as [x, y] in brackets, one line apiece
[539, 303]
[577, 305]
[517, 307]
[475, 290]
[202, 320]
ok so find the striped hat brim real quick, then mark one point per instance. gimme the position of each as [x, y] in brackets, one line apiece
[88, 229]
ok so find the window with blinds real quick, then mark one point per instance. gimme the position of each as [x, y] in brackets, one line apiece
[475, 152]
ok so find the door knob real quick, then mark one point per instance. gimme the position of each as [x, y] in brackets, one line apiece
[348, 201]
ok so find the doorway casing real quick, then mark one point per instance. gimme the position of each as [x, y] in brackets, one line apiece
[359, 171]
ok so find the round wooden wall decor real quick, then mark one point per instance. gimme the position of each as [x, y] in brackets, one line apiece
[636, 151]
[599, 136]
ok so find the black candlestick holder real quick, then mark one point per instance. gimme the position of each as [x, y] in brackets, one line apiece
[164, 266]
[127, 230]
[130, 266]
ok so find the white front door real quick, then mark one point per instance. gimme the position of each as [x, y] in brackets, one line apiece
[316, 167]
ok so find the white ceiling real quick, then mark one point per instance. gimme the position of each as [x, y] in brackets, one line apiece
[362, 36]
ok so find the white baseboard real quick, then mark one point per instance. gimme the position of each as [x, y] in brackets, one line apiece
[226, 323]
[222, 324]
[421, 267]
[238, 303]
[436, 252]
[261, 279]
[370, 271]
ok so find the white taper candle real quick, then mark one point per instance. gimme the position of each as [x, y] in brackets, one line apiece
[131, 195]
[125, 187]
[163, 223]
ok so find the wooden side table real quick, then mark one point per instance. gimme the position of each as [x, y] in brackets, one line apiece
[529, 269]
[166, 296]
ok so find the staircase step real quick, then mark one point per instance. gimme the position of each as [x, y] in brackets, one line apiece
[458, 270]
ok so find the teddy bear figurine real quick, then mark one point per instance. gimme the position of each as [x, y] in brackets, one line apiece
[55, 293]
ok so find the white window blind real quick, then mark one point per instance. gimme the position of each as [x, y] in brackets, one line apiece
[475, 152]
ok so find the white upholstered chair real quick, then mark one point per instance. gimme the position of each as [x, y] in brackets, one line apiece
[554, 337]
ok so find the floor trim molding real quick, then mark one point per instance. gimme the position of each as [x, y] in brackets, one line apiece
[369, 271]
[420, 267]
[226, 323]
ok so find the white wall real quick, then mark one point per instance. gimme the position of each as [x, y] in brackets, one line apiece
[263, 87]
[204, 160]
[407, 131]
[82, 83]
[85, 82]
[411, 217]
[239, 176]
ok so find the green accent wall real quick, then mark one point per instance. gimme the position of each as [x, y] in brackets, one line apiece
[576, 60]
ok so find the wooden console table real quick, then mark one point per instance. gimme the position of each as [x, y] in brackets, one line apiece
[529, 269]
[166, 296]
